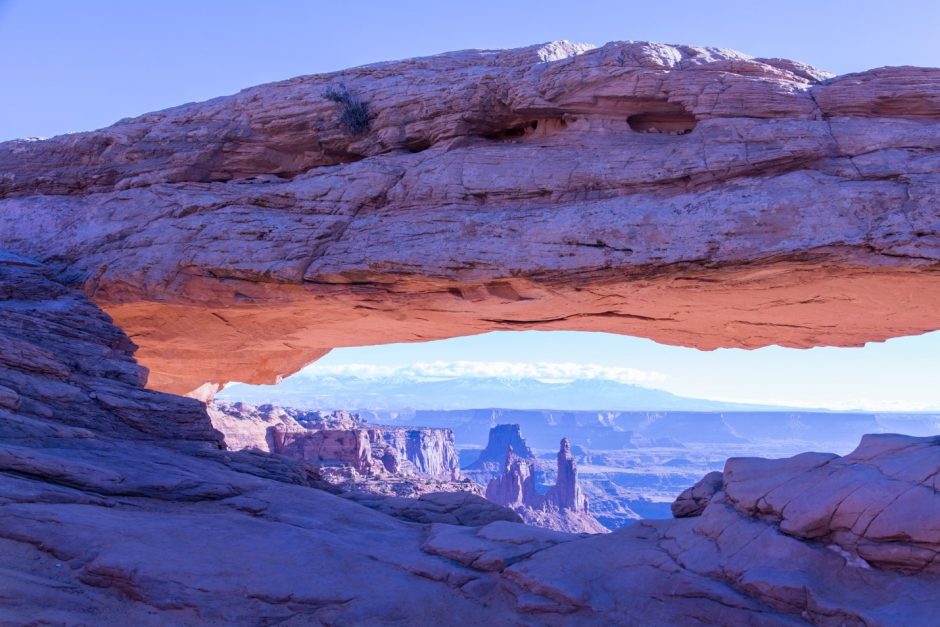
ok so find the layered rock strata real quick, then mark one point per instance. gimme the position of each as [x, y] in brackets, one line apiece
[346, 450]
[691, 195]
[376, 450]
[105, 520]
[695, 196]
[562, 507]
[66, 371]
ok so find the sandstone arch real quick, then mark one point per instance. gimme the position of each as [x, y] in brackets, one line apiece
[799, 211]
[240, 238]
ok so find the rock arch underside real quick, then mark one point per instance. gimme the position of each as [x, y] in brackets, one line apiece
[695, 196]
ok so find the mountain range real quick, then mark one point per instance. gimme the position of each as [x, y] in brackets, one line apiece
[396, 393]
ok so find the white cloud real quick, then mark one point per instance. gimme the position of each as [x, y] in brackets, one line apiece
[543, 371]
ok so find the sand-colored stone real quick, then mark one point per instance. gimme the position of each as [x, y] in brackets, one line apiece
[243, 237]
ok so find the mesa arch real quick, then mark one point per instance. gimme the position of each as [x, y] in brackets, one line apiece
[691, 195]
[493, 189]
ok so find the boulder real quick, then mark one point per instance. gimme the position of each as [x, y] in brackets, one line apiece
[694, 500]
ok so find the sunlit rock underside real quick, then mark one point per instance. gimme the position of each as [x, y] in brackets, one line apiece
[690, 195]
[695, 196]
[118, 507]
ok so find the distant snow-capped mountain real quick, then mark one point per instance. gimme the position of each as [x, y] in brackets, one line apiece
[399, 392]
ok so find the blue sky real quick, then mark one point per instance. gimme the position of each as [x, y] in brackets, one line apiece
[900, 374]
[72, 66]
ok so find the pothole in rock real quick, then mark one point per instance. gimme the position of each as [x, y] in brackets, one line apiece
[529, 128]
[667, 119]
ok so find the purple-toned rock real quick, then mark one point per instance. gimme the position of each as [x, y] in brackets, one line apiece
[501, 438]
[338, 438]
[108, 517]
[692, 195]
[453, 508]
[694, 500]
[66, 369]
[515, 486]
[562, 507]
[880, 502]
[567, 493]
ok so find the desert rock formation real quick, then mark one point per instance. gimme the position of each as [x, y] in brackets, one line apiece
[346, 450]
[501, 438]
[691, 195]
[563, 507]
[105, 521]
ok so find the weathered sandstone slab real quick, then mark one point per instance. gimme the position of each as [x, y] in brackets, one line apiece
[694, 500]
[108, 519]
[880, 503]
[691, 195]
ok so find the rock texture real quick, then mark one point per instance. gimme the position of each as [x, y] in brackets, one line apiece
[691, 195]
[562, 507]
[693, 501]
[879, 504]
[66, 371]
[245, 426]
[454, 508]
[347, 451]
[110, 517]
[501, 438]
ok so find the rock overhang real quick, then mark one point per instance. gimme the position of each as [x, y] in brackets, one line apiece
[749, 202]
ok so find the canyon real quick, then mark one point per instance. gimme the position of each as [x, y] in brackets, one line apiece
[345, 450]
[562, 507]
[360, 458]
[695, 196]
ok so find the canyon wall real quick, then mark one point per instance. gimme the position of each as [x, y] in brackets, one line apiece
[695, 196]
[339, 439]
[377, 450]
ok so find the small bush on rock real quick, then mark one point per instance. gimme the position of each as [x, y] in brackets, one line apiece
[355, 114]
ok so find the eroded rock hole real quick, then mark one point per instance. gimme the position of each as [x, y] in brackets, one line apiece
[418, 145]
[526, 128]
[669, 122]
[513, 132]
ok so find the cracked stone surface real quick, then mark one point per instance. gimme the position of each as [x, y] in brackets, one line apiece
[695, 196]
[130, 513]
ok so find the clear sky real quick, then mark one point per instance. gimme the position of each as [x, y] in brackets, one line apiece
[900, 374]
[73, 66]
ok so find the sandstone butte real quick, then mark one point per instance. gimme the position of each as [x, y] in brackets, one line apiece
[695, 196]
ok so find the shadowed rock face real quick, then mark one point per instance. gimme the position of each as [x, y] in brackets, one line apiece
[105, 521]
[66, 371]
[691, 195]
[535, 188]
[501, 438]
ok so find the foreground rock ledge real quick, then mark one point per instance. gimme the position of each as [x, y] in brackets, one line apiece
[118, 507]
[694, 196]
